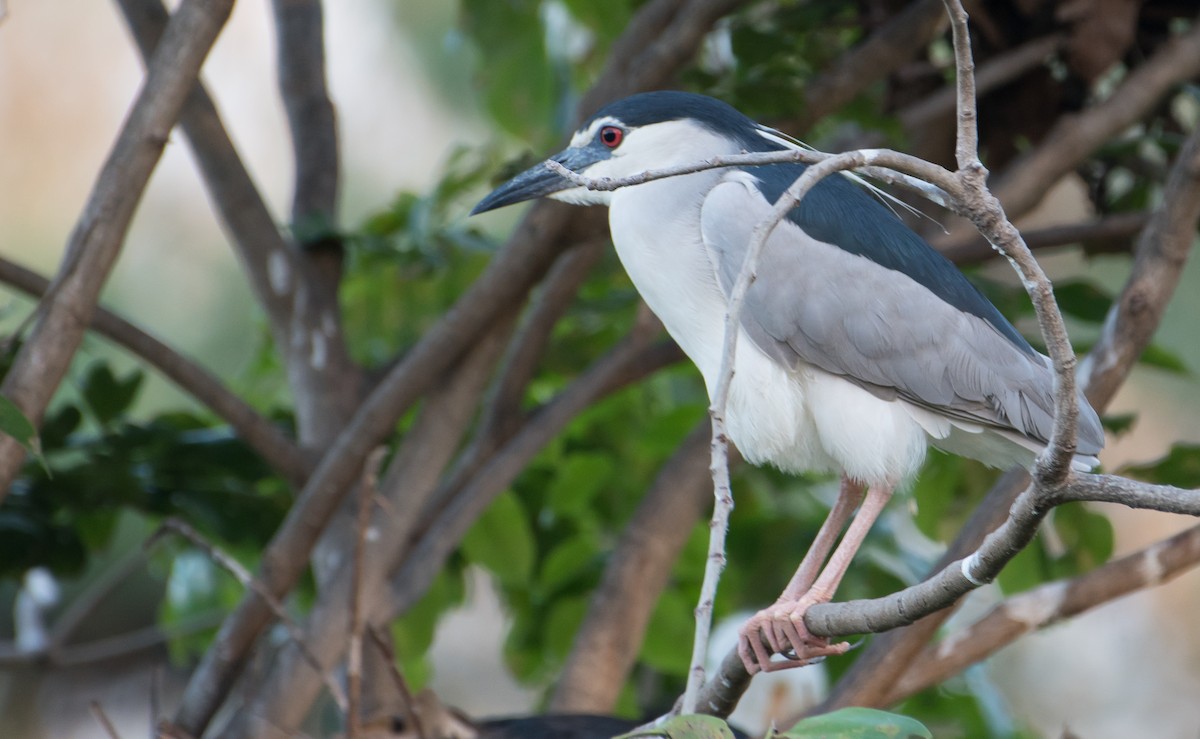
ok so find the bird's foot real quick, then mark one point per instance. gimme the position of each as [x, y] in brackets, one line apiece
[781, 627]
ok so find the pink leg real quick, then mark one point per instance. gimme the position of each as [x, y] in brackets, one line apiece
[750, 642]
[782, 625]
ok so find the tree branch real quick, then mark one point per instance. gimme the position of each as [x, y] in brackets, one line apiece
[95, 242]
[264, 437]
[1048, 604]
[1076, 137]
[1107, 234]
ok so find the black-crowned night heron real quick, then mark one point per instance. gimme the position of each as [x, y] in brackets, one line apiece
[860, 345]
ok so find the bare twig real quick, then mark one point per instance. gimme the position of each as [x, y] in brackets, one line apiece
[1048, 604]
[98, 711]
[95, 242]
[264, 437]
[411, 715]
[248, 581]
[368, 490]
[1074, 138]
[898, 40]
[1111, 233]
[999, 70]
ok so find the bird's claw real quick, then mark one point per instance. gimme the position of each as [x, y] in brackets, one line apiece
[781, 627]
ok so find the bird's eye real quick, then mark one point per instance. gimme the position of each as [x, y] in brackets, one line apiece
[611, 136]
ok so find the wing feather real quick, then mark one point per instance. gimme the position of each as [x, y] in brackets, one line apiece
[816, 303]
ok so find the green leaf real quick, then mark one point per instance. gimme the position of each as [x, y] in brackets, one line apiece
[858, 723]
[502, 541]
[1180, 467]
[1118, 423]
[516, 79]
[577, 481]
[669, 634]
[14, 423]
[692, 726]
[1082, 300]
[567, 561]
[106, 395]
[1161, 358]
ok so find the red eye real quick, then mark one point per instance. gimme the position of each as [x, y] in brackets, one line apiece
[611, 136]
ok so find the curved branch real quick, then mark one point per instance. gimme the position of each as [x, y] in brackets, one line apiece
[1048, 604]
[264, 437]
[96, 240]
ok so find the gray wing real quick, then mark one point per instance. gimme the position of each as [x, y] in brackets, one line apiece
[813, 302]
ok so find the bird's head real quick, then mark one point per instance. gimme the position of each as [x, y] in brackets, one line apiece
[647, 131]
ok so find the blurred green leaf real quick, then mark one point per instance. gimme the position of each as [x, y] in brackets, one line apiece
[1179, 467]
[1083, 300]
[14, 423]
[577, 481]
[502, 542]
[107, 395]
[857, 723]
[513, 74]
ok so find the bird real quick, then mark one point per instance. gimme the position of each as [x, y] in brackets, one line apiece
[859, 344]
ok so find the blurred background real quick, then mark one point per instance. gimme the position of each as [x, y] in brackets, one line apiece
[405, 82]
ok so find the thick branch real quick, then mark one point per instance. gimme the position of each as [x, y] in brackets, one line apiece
[1048, 604]
[95, 242]
[261, 435]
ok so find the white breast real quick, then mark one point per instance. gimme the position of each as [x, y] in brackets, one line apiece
[797, 420]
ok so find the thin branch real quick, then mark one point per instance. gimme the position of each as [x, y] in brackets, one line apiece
[1074, 138]
[899, 39]
[715, 562]
[367, 493]
[264, 437]
[98, 711]
[95, 242]
[610, 637]
[1048, 604]
[1107, 234]
[995, 72]
[966, 144]
[248, 581]
[412, 717]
